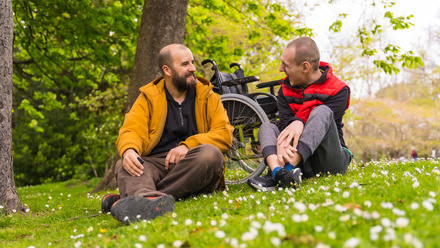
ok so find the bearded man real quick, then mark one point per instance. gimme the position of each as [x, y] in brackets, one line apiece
[171, 142]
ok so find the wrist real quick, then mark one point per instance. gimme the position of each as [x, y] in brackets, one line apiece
[129, 150]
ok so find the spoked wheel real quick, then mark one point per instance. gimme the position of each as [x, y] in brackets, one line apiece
[244, 160]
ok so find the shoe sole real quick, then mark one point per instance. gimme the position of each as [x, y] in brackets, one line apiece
[105, 207]
[137, 208]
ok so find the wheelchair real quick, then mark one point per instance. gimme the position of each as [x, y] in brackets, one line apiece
[246, 112]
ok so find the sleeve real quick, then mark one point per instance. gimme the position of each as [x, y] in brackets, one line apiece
[219, 131]
[338, 103]
[135, 128]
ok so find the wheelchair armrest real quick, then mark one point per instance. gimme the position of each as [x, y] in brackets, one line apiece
[268, 84]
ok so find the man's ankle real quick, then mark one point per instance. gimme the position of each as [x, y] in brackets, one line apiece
[274, 171]
[288, 167]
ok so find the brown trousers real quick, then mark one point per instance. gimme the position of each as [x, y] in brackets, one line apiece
[199, 172]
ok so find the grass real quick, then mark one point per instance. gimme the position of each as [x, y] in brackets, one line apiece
[379, 204]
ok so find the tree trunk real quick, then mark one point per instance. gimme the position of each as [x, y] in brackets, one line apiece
[163, 23]
[9, 199]
[108, 182]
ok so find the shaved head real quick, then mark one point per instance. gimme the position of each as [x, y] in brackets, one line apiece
[305, 50]
[166, 55]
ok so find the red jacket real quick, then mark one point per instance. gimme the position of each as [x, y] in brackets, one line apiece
[303, 101]
[295, 103]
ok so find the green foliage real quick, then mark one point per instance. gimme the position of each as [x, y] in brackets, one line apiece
[336, 26]
[379, 204]
[386, 66]
[369, 33]
[407, 60]
[249, 32]
[71, 64]
[410, 61]
[399, 22]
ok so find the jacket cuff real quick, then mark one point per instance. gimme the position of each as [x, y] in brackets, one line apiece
[295, 119]
[190, 143]
[304, 150]
[123, 149]
[269, 150]
[299, 119]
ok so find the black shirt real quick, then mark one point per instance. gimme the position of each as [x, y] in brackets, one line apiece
[180, 123]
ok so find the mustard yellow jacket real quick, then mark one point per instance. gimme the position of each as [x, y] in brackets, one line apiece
[144, 123]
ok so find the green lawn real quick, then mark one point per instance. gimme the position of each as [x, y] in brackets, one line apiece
[382, 204]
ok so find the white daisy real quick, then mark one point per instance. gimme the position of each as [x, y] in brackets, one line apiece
[220, 234]
[353, 242]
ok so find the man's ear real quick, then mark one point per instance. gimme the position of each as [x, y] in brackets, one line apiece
[167, 70]
[306, 67]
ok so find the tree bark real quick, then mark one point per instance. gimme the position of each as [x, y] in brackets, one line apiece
[9, 199]
[108, 182]
[163, 23]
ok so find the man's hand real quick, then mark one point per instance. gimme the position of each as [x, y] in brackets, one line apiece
[286, 154]
[175, 155]
[290, 135]
[287, 142]
[131, 163]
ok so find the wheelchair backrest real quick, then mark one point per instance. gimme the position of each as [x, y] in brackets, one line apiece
[220, 77]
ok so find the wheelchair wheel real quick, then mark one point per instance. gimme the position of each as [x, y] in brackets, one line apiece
[244, 160]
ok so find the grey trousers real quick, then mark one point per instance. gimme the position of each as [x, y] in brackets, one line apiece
[320, 135]
[199, 172]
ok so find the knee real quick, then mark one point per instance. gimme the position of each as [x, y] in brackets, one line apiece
[118, 167]
[322, 111]
[210, 155]
[267, 127]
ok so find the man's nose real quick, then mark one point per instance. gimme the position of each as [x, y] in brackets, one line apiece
[192, 67]
[281, 68]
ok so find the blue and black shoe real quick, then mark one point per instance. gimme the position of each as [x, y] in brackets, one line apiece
[263, 183]
[286, 179]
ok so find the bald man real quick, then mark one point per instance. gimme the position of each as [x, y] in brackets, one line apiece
[309, 138]
[171, 143]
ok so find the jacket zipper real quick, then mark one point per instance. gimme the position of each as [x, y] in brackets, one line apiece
[181, 116]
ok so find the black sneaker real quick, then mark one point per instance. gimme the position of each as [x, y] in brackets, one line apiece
[107, 201]
[287, 179]
[264, 183]
[136, 208]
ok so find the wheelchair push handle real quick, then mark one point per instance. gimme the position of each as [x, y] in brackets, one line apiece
[214, 65]
[235, 64]
[205, 61]
[214, 68]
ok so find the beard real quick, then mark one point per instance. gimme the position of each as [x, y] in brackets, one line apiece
[182, 84]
